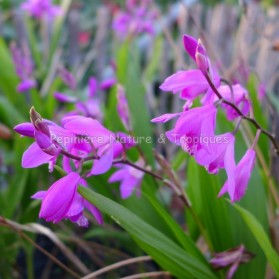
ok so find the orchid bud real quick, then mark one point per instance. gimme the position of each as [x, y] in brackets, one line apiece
[38, 122]
[201, 58]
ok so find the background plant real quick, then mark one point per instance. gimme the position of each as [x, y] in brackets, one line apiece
[153, 223]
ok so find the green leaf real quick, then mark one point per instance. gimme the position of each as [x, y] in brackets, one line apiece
[260, 114]
[179, 158]
[30, 30]
[9, 113]
[203, 189]
[58, 24]
[274, 100]
[154, 63]
[9, 80]
[129, 75]
[169, 255]
[260, 235]
[183, 239]
[15, 192]
[255, 195]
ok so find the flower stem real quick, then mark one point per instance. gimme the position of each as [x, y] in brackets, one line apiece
[251, 120]
[117, 265]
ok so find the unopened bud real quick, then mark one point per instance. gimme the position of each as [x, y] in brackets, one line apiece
[34, 115]
[201, 58]
[38, 122]
[202, 63]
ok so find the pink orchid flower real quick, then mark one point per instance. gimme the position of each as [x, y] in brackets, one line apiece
[130, 179]
[62, 201]
[239, 176]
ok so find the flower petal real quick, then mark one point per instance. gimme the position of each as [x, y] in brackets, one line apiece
[192, 82]
[165, 117]
[34, 157]
[94, 211]
[86, 126]
[39, 195]
[127, 186]
[190, 45]
[26, 85]
[59, 198]
[104, 163]
[118, 176]
[243, 173]
[64, 98]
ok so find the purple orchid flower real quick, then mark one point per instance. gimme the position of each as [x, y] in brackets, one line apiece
[239, 176]
[238, 96]
[40, 9]
[130, 179]
[107, 145]
[50, 140]
[216, 152]
[24, 68]
[62, 201]
[192, 83]
[194, 128]
[191, 127]
[79, 137]
[232, 258]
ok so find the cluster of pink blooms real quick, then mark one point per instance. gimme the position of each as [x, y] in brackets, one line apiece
[194, 130]
[137, 18]
[40, 9]
[80, 139]
[21, 56]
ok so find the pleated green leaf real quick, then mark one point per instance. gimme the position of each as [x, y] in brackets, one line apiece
[163, 250]
[261, 236]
